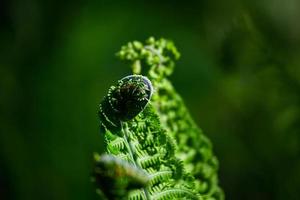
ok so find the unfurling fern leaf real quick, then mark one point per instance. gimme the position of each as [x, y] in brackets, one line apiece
[124, 101]
[135, 139]
[194, 148]
[155, 149]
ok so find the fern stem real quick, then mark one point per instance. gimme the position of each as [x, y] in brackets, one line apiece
[132, 155]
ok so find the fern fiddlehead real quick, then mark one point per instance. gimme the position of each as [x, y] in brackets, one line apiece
[194, 148]
[135, 137]
[124, 101]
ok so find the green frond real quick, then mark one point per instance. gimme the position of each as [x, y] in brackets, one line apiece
[159, 55]
[158, 59]
[171, 145]
[160, 176]
[140, 152]
[176, 193]
[157, 188]
[177, 167]
[148, 140]
[149, 161]
[136, 195]
[118, 143]
[156, 150]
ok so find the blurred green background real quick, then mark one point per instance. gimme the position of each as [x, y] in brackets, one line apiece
[239, 75]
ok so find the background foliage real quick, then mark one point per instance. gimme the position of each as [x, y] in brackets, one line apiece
[239, 74]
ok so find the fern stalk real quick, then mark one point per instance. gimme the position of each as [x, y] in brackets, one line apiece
[133, 156]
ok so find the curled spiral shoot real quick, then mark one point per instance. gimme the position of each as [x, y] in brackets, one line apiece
[124, 101]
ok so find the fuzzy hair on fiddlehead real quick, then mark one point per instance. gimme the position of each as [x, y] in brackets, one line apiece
[124, 101]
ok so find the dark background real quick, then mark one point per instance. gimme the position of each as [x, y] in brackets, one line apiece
[239, 74]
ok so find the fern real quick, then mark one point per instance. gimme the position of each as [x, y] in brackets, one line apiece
[134, 137]
[158, 60]
[154, 149]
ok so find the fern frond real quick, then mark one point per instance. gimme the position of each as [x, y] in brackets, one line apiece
[160, 176]
[136, 195]
[176, 193]
[149, 161]
[157, 152]
[118, 143]
[145, 145]
[194, 148]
